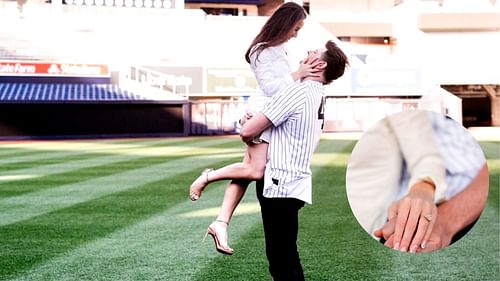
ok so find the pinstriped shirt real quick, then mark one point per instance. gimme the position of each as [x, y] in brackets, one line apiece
[297, 114]
[462, 154]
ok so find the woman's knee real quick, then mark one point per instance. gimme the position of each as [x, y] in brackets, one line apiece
[257, 173]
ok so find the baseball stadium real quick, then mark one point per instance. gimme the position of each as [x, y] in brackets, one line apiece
[110, 109]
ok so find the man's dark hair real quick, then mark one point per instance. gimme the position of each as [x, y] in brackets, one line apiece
[336, 62]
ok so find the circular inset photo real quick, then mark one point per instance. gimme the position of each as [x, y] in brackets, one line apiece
[417, 181]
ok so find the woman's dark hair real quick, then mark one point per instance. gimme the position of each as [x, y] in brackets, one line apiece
[277, 27]
[336, 62]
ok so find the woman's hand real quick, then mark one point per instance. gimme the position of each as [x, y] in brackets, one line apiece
[411, 219]
[307, 69]
[245, 118]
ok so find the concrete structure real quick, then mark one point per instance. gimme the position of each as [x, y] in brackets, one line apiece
[453, 43]
[395, 64]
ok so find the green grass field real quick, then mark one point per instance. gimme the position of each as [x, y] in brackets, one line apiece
[119, 210]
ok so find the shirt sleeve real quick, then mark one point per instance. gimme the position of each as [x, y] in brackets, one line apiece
[272, 70]
[285, 104]
[413, 130]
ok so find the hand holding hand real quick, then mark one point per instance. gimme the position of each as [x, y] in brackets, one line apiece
[411, 219]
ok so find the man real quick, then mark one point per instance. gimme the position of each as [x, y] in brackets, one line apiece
[296, 113]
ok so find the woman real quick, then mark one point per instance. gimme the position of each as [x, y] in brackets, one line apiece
[268, 59]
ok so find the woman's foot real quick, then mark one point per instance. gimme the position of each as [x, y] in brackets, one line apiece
[199, 185]
[218, 230]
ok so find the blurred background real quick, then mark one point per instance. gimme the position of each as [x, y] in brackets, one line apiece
[91, 68]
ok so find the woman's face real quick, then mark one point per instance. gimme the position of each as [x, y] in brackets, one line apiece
[295, 30]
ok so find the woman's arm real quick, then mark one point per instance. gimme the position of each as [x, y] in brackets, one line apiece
[253, 127]
[272, 70]
[416, 212]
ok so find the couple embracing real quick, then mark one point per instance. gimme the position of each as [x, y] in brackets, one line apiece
[281, 130]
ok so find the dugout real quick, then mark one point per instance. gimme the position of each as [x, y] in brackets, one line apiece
[58, 110]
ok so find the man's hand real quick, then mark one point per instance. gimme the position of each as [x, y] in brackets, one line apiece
[439, 239]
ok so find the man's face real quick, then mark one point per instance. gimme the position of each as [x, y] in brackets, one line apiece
[315, 55]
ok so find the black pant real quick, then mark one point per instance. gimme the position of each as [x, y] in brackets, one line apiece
[281, 226]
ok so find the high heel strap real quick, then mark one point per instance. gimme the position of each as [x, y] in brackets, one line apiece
[206, 171]
[226, 222]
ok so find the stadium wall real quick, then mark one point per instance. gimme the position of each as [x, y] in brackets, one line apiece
[52, 121]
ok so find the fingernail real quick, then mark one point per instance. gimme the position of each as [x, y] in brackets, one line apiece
[396, 246]
[423, 245]
[413, 249]
[403, 249]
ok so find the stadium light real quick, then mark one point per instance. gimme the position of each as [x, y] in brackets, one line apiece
[109, 3]
[129, 3]
[148, 3]
[167, 4]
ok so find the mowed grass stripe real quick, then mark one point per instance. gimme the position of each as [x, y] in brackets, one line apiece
[35, 183]
[18, 208]
[51, 150]
[24, 167]
[31, 181]
[491, 149]
[16, 152]
[66, 164]
[53, 239]
[37, 155]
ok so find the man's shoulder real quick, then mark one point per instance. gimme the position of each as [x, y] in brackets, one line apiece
[309, 86]
[293, 89]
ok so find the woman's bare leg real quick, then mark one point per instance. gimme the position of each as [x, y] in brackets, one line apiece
[255, 157]
[252, 168]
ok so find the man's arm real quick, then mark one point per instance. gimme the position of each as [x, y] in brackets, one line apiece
[254, 126]
[460, 211]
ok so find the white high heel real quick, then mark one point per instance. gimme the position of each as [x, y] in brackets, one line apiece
[220, 247]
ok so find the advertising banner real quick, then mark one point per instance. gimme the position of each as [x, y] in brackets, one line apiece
[36, 68]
